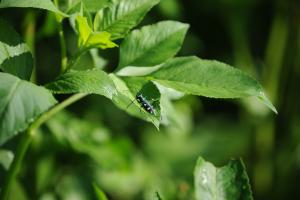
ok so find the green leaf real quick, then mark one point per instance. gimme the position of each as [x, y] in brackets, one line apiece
[42, 4]
[226, 183]
[15, 57]
[208, 78]
[152, 45]
[89, 5]
[99, 193]
[6, 158]
[21, 102]
[95, 5]
[83, 30]
[87, 38]
[93, 81]
[122, 16]
[128, 88]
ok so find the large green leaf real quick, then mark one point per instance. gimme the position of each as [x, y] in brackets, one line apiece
[93, 81]
[42, 4]
[208, 78]
[122, 16]
[128, 88]
[20, 103]
[15, 57]
[226, 183]
[152, 44]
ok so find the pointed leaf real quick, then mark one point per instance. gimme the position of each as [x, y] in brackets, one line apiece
[152, 45]
[226, 183]
[93, 81]
[21, 102]
[42, 4]
[208, 78]
[15, 57]
[83, 30]
[87, 38]
[101, 40]
[122, 16]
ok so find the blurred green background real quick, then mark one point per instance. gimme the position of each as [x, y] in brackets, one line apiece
[93, 141]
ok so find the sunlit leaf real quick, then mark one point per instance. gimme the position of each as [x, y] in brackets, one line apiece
[93, 81]
[83, 30]
[208, 78]
[15, 57]
[21, 102]
[122, 16]
[101, 40]
[87, 38]
[42, 4]
[152, 45]
[225, 183]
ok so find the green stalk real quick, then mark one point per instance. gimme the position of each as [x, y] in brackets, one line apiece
[29, 36]
[63, 48]
[26, 140]
[15, 166]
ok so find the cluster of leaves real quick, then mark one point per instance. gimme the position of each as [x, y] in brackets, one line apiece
[147, 66]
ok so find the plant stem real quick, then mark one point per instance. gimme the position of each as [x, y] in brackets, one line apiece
[26, 140]
[63, 48]
[29, 36]
[15, 166]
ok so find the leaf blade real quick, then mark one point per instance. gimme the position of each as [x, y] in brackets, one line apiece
[15, 56]
[152, 45]
[42, 4]
[122, 16]
[93, 81]
[21, 102]
[128, 88]
[212, 79]
[226, 183]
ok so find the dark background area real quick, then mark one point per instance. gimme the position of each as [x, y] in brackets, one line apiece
[93, 141]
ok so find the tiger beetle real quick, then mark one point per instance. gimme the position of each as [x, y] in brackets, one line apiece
[145, 104]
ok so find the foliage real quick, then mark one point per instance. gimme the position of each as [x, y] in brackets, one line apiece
[147, 65]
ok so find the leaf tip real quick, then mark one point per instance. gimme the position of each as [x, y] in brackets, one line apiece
[267, 102]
